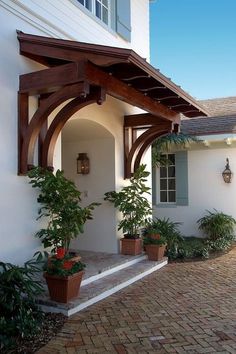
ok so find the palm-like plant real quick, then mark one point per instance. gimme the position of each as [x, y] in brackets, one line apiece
[166, 143]
[217, 225]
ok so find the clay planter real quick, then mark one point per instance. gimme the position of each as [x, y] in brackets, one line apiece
[63, 289]
[155, 252]
[131, 247]
[155, 236]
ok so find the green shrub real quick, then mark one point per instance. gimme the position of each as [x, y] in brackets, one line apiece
[217, 225]
[19, 315]
[132, 202]
[60, 205]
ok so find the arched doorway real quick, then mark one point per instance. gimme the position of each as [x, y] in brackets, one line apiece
[81, 135]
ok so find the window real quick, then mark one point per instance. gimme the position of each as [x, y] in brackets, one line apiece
[115, 14]
[100, 8]
[170, 183]
[168, 180]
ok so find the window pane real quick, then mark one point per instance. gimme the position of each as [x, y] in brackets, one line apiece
[171, 197]
[171, 184]
[171, 171]
[163, 184]
[163, 172]
[105, 3]
[163, 197]
[171, 158]
[98, 10]
[88, 4]
[105, 15]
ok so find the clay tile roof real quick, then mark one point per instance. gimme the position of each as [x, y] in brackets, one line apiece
[222, 118]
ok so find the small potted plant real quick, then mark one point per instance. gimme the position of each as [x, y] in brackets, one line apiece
[155, 245]
[63, 274]
[132, 202]
[60, 206]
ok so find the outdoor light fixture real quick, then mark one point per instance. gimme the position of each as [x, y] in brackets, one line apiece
[82, 164]
[227, 174]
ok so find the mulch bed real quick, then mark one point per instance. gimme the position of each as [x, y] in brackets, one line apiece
[51, 325]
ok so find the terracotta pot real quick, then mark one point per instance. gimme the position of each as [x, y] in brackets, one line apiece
[63, 289]
[131, 247]
[155, 236]
[155, 252]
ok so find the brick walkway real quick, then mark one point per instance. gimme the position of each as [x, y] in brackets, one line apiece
[183, 308]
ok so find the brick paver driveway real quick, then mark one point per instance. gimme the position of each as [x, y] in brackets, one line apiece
[183, 308]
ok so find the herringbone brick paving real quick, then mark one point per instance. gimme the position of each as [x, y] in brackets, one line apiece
[182, 308]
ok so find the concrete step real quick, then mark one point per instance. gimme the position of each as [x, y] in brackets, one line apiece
[106, 285]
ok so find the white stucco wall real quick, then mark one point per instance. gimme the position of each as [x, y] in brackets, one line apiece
[206, 188]
[59, 19]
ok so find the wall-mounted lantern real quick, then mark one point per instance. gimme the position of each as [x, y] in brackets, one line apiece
[227, 173]
[83, 164]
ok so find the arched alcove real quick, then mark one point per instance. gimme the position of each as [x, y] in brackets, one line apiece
[83, 135]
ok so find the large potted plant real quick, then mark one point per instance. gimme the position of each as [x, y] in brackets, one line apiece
[132, 202]
[60, 205]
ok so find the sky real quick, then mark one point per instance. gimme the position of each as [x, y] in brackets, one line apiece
[193, 42]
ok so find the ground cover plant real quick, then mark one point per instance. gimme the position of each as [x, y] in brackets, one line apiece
[219, 234]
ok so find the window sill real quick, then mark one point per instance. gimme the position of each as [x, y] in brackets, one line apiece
[167, 205]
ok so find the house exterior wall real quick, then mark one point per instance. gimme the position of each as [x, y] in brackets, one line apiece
[59, 19]
[206, 188]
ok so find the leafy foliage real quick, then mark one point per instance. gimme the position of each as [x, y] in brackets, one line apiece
[19, 315]
[217, 225]
[167, 229]
[132, 202]
[192, 247]
[165, 143]
[59, 199]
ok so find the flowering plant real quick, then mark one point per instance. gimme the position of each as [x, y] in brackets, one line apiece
[63, 264]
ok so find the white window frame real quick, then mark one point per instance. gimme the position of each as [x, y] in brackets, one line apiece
[93, 10]
[167, 178]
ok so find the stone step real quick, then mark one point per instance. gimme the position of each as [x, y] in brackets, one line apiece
[121, 263]
[103, 287]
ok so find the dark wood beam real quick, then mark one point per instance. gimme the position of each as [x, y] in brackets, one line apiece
[51, 79]
[144, 120]
[123, 92]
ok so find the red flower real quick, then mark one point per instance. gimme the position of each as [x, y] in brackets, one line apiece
[67, 265]
[60, 253]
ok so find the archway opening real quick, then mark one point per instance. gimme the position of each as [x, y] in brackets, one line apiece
[81, 135]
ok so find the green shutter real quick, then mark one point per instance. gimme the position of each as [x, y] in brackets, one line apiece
[123, 19]
[181, 162]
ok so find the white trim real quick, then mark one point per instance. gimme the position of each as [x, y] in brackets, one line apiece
[112, 270]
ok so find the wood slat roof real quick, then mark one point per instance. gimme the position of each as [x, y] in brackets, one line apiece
[123, 64]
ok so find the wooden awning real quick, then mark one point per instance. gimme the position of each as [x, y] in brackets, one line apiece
[86, 73]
